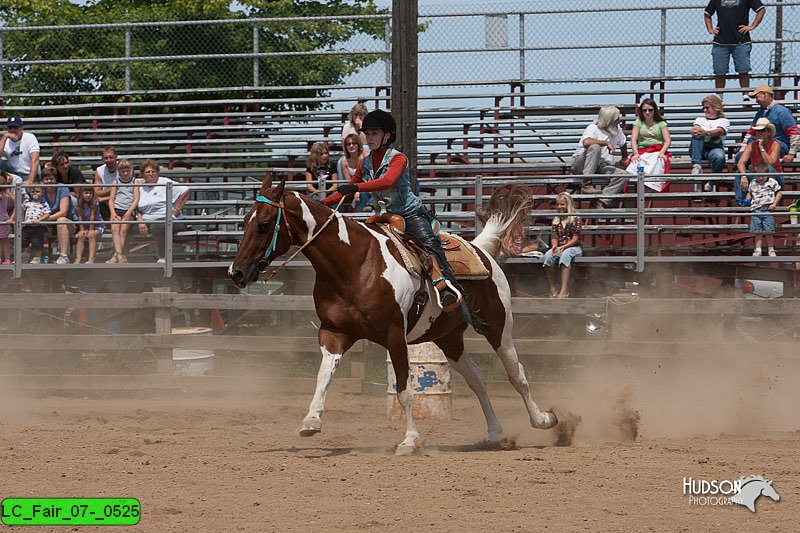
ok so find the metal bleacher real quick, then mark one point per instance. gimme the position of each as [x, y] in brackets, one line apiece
[223, 147]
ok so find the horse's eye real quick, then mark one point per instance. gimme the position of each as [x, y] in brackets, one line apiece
[263, 228]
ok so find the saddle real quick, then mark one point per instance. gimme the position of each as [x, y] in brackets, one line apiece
[461, 255]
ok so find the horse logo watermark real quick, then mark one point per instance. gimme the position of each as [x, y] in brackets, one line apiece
[743, 491]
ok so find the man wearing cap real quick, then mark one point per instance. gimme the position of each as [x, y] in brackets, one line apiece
[786, 131]
[732, 37]
[21, 150]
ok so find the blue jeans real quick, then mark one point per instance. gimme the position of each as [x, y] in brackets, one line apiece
[740, 194]
[698, 152]
[721, 58]
[565, 259]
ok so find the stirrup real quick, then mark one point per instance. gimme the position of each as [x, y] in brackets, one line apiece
[447, 297]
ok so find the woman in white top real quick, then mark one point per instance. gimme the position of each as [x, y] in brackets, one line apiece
[153, 207]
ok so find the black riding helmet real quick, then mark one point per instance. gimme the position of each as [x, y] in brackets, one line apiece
[380, 120]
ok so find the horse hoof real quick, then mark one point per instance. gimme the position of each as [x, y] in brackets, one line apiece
[550, 420]
[406, 449]
[311, 426]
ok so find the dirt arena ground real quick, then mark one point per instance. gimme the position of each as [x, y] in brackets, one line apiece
[236, 463]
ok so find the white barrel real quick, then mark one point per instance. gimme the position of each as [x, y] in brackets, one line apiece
[192, 362]
[429, 378]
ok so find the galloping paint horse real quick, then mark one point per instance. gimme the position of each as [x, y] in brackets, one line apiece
[363, 291]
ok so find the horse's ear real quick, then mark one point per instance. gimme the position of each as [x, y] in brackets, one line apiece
[279, 189]
[267, 181]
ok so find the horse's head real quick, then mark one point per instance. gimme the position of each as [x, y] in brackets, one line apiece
[769, 491]
[266, 235]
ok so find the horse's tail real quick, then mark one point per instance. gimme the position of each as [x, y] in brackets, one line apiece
[503, 218]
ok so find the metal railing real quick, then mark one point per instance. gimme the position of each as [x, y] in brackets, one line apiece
[526, 45]
[636, 222]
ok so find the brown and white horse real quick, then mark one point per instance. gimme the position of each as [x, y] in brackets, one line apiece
[363, 291]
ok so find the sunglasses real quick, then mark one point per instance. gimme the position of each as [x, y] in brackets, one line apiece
[707, 107]
[351, 144]
[645, 110]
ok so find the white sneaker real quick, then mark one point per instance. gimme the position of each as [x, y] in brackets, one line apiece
[772, 253]
[62, 260]
[697, 169]
[708, 187]
[757, 253]
[36, 260]
[161, 261]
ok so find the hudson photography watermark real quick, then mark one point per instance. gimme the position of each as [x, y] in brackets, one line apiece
[743, 491]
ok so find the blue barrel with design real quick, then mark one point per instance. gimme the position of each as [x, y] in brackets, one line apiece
[429, 378]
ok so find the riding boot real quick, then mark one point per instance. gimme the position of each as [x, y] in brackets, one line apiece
[448, 298]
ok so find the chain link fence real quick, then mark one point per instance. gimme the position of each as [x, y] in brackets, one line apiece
[504, 41]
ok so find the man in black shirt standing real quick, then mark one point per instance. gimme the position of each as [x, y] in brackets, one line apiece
[732, 37]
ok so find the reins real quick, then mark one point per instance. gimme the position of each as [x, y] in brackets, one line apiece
[273, 245]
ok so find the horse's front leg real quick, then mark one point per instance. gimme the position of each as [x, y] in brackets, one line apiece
[333, 345]
[398, 352]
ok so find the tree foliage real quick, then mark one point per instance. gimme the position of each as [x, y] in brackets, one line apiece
[151, 41]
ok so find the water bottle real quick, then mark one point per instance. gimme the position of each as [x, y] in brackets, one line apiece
[46, 253]
[793, 213]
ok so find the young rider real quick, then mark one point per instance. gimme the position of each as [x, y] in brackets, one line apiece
[384, 173]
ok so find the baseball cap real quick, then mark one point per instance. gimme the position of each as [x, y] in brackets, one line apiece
[762, 89]
[762, 124]
[14, 121]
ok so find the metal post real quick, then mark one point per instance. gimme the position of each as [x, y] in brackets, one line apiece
[128, 58]
[255, 56]
[387, 40]
[640, 186]
[778, 69]
[17, 229]
[522, 47]
[663, 68]
[168, 234]
[478, 202]
[163, 326]
[1, 59]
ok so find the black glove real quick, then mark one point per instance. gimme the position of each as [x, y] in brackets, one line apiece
[347, 188]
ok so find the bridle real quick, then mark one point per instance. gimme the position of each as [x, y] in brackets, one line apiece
[279, 205]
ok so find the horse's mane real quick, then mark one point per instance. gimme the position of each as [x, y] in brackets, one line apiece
[748, 479]
[503, 216]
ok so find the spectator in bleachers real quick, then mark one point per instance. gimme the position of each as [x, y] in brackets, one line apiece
[34, 211]
[152, 208]
[708, 138]
[124, 201]
[348, 163]
[21, 150]
[105, 175]
[650, 141]
[5, 229]
[62, 211]
[732, 37]
[91, 226]
[764, 194]
[786, 131]
[765, 149]
[354, 120]
[596, 153]
[320, 171]
[67, 174]
[565, 245]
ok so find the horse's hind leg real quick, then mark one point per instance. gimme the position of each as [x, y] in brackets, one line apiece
[453, 348]
[516, 375]
[332, 345]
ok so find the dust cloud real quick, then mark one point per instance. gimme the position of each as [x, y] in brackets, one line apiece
[748, 390]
